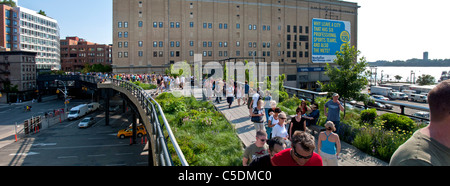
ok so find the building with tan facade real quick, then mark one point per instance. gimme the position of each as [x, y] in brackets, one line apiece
[148, 36]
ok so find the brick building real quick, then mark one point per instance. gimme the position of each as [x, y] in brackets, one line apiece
[150, 35]
[76, 52]
[17, 69]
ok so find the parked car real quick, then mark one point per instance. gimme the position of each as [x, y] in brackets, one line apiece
[360, 107]
[425, 115]
[379, 97]
[86, 122]
[114, 108]
[376, 104]
[129, 132]
[388, 106]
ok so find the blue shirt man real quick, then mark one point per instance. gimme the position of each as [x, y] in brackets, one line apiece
[334, 107]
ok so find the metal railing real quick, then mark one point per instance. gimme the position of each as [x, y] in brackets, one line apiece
[311, 95]
[305, 94]
[154, 112]
[402, 109]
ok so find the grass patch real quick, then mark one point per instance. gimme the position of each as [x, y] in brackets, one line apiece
[203, 134]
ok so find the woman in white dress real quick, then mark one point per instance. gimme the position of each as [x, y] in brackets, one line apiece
[239, 94]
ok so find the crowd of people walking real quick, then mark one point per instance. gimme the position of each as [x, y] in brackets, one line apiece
[279, 141]
[278, 145]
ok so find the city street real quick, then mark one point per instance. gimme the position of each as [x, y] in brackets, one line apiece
[15, 113]
[65, 144]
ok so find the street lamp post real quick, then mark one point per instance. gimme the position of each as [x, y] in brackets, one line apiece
[65, 94]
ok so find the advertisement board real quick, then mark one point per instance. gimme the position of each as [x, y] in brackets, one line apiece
[328, 37]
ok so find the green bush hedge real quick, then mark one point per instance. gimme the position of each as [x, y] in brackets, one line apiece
[368, 116]
[145, 86]
[203, 134]
[398, 122]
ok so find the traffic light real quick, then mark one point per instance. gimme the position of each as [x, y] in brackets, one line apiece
[57, 91]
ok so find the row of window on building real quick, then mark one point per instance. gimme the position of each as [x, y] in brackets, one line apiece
[221, 26]
[289, 54]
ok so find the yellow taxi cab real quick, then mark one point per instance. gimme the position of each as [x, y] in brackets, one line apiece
[129, 132]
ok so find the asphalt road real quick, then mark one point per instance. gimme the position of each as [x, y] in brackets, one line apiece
[10, 114]
[66, 145]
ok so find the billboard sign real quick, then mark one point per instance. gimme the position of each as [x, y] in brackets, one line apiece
[328, 37]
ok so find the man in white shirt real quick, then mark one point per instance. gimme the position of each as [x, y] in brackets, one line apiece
[255, 99]
[183, 80]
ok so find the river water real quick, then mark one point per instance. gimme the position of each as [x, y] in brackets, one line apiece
[389, 73]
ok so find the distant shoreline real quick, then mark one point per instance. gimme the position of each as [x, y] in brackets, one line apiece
[404, 66]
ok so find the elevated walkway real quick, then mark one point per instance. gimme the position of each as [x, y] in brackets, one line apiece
[151, 113]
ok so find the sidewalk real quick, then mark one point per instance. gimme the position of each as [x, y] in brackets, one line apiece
[238, 116]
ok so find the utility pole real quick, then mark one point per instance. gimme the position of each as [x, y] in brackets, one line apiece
[65, 94]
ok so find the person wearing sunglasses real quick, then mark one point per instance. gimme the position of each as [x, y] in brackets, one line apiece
[279, 130]
[301, 154]
[276, 145]
[257, 149]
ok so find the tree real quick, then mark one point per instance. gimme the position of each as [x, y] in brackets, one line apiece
[96, 68]
[398, 77]
[348, 77]
[426, 79]
[9, 3]
[42, 13]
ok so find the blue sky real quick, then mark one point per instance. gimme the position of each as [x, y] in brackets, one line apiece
[403, 29]
[88, 19]
[387, 30]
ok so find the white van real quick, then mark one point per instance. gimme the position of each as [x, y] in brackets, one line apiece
[93, 107]
[78, 112]
[418, 98]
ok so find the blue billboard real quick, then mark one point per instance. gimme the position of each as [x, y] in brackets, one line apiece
[328, 37]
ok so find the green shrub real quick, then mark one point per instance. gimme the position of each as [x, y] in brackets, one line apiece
[282, 95]
[291, 103]
[286, 110]
[397, 122]
[363, 141]
[165, 95]
[146, 86]
[368, 116]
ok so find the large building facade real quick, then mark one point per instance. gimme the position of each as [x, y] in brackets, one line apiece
[22, 29]
[17, 69]
[148, 36]
[76, 52]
